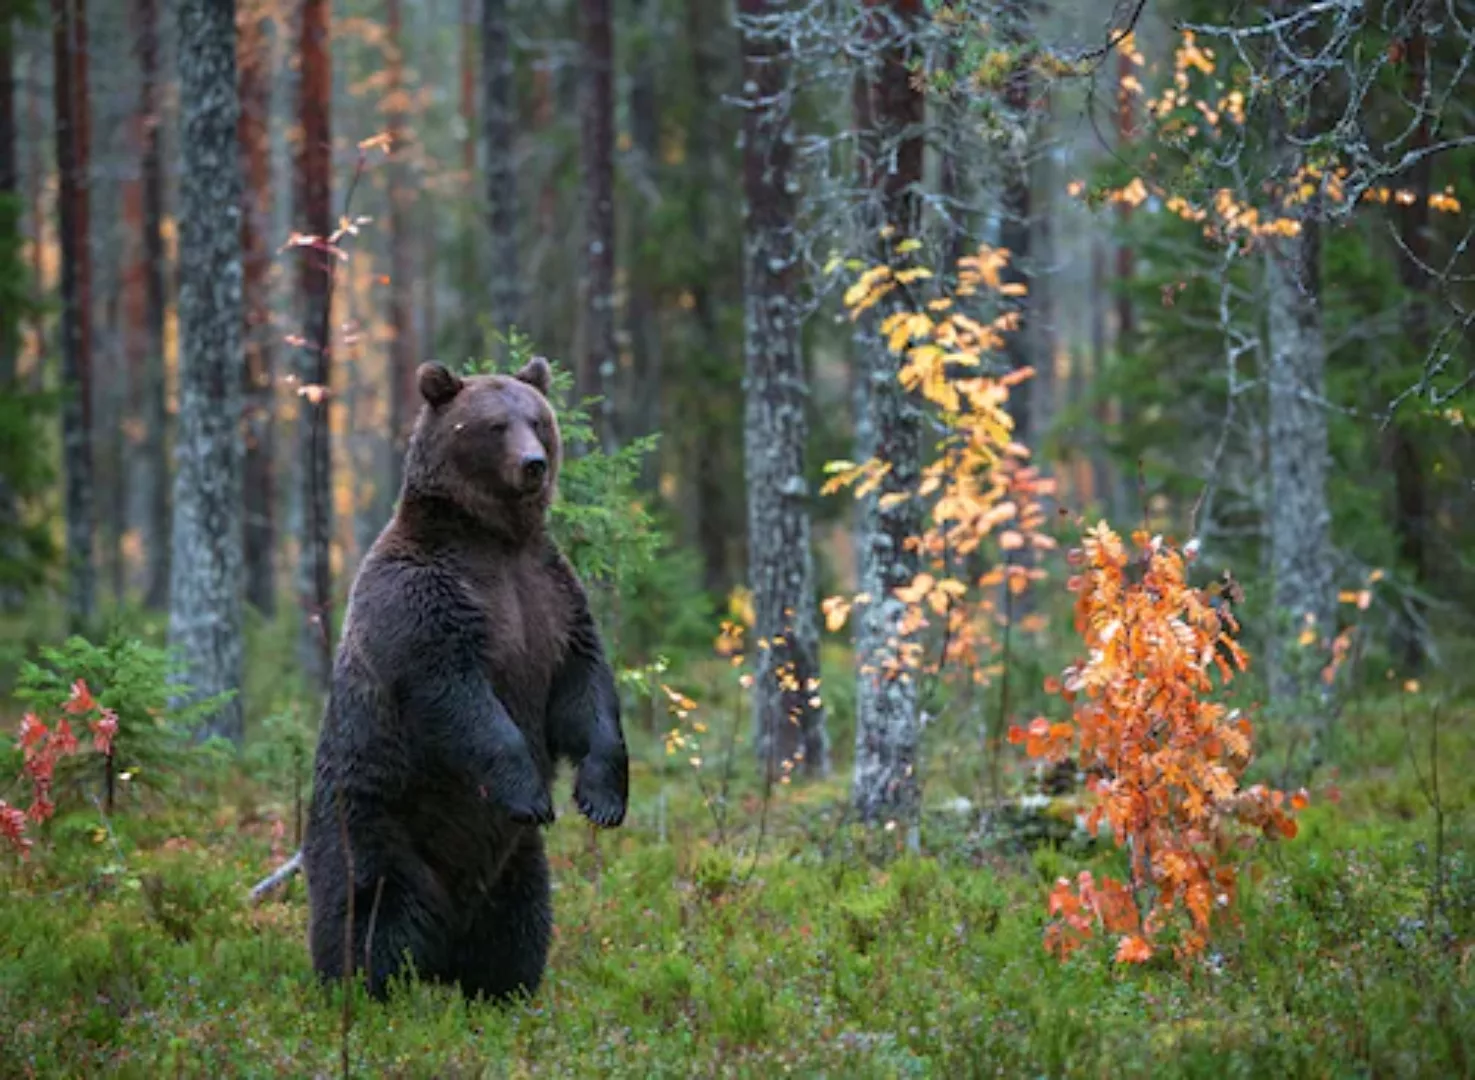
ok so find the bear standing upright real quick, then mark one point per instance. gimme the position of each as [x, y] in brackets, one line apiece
[469, 666]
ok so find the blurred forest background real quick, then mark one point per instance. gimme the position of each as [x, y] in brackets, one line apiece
[1226, 249]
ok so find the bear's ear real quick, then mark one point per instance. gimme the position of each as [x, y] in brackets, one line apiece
[437, 384]
[537, 374]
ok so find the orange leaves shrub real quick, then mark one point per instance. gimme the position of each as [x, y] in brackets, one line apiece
[41, 748]
[1165, 758]
[978, 487]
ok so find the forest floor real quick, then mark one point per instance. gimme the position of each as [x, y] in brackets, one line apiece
[132, 950]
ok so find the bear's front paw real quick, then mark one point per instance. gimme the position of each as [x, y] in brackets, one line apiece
[601, 789]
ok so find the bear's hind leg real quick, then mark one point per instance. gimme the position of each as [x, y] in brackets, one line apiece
[505, 946]
[397, 926]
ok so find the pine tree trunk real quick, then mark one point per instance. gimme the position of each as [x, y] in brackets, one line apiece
[716, 513]
[499, 121]
[315, 270]
[890, 114]
[1411, 499]
[1300, 519]
[401, 379]
[72, 157]
[468, 87]
[640, 400]
[12, 275]
[9, 218]
[154, 477]
[1298, 457]
[10, 597]
[789, 729]
[260, 375]
[596, 366]
[205, 590]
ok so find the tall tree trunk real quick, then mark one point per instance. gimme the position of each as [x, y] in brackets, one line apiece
[1126, 317]
[499, 116]
[154, 474]
[1299, 512]
[1300, 519]
[1100, 460]
[596, 367]
[314, 277]
[133, 303]
[401, 213]
[10, 283]
[1411, 510]
[72, 157]
[1015, 232]
[716, 521]
[640, 398]
[205, 590]
[36, 137]
[890, 114]
[468, 87]
[254, 52]
[788, 720]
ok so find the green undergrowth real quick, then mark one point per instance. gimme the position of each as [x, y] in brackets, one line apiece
[785, 942]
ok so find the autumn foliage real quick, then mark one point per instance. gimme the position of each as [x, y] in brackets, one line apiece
[1166, 760]
[980, 490]
[42, 747]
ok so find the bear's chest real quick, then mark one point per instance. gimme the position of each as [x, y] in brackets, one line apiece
[526, 632]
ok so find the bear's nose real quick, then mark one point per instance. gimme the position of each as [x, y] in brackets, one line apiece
[534, 468]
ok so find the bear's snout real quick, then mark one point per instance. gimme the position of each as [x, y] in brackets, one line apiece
[534, 471]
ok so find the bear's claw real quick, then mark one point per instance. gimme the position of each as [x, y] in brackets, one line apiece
[601, 791]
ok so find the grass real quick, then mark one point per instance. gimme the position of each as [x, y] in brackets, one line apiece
[130, 950]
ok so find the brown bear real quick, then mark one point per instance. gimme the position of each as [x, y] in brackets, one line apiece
[469, 666]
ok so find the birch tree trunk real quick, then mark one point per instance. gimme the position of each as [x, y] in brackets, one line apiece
[889, 116]
[499, 116]
[154, 478]
[205, 587]
[72, 157]
[788, 720]
[260, 374]
[315, 269]
[596, 368]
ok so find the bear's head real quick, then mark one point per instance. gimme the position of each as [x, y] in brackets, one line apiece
[489, 444]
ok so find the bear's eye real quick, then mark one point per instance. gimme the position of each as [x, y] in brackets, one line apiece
[499, 427]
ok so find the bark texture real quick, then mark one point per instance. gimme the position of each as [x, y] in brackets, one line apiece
[1411, 497]
[499, 115]
[789, 729]
[401, 213]
[639, 410]
[259, 385]
[596, 367]
[205, 589]
[154, 478]
[10, 597]
[889, 116]
[314, 285]
[1300, 518]
[69, 37]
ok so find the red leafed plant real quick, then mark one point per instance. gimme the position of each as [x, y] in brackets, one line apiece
[1165, 759]
[42, 747]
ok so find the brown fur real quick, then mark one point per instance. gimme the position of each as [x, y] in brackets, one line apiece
[469, 666]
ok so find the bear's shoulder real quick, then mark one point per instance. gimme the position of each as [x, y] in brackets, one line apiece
[409, 610]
